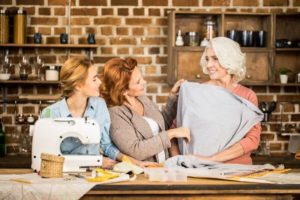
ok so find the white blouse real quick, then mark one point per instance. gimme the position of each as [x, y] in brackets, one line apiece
[160, 157]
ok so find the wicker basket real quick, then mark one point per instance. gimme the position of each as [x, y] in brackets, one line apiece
[51, 166]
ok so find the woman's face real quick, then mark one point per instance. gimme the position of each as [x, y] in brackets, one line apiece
[136, 84]
[214, 69]
[91, 84]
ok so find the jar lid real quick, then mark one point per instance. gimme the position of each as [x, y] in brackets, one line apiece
[52, 67]
[192, 33]
[21, 11]
[211, 23]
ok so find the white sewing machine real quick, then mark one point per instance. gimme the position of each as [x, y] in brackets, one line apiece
[49, 133]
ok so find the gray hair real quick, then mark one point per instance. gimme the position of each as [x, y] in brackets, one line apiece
[229, 55]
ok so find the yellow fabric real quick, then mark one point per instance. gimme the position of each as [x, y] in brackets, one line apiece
[102, 175]
[126, 159]
[260, 174]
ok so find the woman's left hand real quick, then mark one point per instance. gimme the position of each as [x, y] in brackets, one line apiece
[175, 88]
[150, 164]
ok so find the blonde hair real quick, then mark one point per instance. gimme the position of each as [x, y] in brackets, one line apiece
[115, 80]
[229, 55]
[73, 72]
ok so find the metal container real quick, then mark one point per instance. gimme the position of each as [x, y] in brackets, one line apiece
[3, 27]
[20, 27]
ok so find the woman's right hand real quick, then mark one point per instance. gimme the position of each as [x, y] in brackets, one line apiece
[181, 132]
[108, 163]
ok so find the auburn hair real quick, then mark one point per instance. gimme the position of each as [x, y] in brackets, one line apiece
[115, 80]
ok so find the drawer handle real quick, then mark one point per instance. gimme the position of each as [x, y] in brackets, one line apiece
[198, 76]
[248, 76]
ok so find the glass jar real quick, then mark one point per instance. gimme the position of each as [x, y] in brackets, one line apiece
[192, 39]
[52, 73]
[210, 30]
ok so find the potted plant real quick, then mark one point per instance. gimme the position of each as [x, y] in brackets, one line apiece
[283, 74]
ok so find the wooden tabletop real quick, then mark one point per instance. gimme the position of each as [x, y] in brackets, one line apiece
[194, 186]
[24, 161]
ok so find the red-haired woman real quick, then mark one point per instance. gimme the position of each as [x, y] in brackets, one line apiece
[138, 128]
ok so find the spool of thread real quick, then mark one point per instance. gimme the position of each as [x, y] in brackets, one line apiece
[20, 27]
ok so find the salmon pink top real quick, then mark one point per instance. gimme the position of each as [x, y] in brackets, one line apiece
[251, 141]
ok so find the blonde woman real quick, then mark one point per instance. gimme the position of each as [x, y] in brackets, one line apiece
[80, 84]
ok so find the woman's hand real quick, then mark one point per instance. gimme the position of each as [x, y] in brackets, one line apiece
[181, 132]
[175, 88]
[150, 164]
[108, 163]
[203, 157]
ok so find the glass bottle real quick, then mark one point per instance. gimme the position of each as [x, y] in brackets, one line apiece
[39, 69]
[2, 140]
[210, 28]
[3, 26]
[20, 27]
[24, 66]
[6, 65]
[179, 39]
[5, 68]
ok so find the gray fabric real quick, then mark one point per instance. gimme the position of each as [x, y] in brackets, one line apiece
[195, 167]
[216, 117]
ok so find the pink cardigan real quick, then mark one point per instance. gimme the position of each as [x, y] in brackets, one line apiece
[251, 141]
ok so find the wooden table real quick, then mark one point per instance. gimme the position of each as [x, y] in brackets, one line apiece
[194, 189]
[24, 161]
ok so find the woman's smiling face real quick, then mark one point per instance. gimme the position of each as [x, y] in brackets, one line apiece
[214, 69]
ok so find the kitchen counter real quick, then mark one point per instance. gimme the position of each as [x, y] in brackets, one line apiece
[24, 161]
[198, 188]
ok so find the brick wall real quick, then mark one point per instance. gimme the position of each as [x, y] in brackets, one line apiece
[123, 28]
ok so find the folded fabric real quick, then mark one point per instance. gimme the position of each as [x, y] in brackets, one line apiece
[125, 167]
[216, 117]
[196, 167]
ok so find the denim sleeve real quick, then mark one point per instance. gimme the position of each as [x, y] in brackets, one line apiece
[46, 113]
[109, 149]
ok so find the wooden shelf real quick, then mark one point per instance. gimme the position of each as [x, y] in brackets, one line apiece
[34, 98]
[73, 46]
[269, 84]
[188, 48]
[255, 49]
[287, 49]
[246, 49]
[29, 82]
[262, 63]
